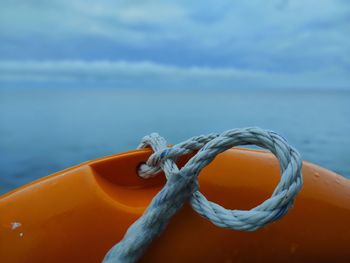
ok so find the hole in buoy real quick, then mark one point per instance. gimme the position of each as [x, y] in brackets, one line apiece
[138, 169]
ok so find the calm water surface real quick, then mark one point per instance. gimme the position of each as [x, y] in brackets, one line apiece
[43, 131]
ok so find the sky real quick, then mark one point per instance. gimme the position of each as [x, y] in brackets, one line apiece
[175, 44]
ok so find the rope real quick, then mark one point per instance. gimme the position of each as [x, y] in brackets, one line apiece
[182, 186]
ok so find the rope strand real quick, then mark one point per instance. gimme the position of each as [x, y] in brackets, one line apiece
[182, 186]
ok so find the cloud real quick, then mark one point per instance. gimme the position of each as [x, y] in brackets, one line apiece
[143, 74]
[291, 38]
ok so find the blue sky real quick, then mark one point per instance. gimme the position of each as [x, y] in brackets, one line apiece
[162, 44]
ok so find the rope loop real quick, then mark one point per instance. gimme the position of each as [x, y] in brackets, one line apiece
[182, 185]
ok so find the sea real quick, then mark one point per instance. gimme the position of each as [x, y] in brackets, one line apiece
[45, 130]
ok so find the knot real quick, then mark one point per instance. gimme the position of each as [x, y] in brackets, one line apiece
[161, 152]
[182, 185]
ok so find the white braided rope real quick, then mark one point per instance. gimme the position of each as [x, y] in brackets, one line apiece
[182, 184]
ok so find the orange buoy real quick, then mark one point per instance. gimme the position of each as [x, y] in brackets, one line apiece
[78, 214]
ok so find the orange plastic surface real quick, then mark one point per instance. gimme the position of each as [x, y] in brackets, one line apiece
[76, 215]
